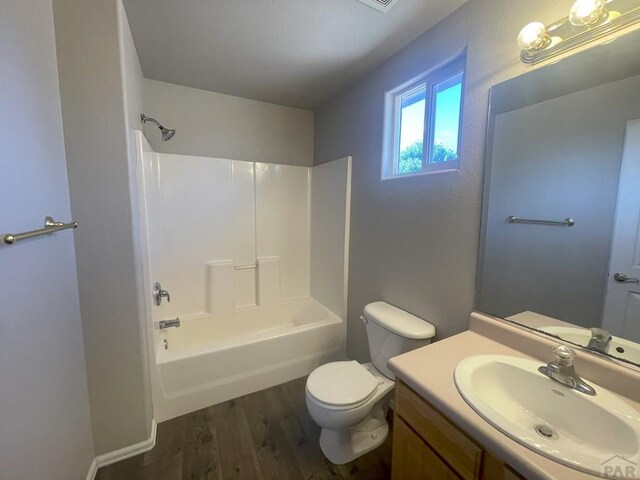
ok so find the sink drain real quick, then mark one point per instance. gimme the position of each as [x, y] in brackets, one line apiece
[544, 431]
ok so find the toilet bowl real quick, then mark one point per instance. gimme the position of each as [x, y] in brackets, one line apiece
[349, 400]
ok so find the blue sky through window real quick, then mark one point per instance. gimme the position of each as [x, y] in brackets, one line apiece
[439, 105]
[447, 119]
[447, 116]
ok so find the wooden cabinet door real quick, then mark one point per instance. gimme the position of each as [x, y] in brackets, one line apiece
[413, 459]
[511, 474]
[495, 469]
[452, 445]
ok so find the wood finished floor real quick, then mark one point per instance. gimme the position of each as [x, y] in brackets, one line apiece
[263, 436]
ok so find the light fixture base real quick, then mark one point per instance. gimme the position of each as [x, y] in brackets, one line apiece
[564, 36]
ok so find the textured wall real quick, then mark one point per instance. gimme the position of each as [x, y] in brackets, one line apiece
[414, 240]
[211, 124]
[94, 109]
[45, 427]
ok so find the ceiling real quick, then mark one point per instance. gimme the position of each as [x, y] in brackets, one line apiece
[288, 52]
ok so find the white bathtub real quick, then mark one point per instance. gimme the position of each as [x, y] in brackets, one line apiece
[209, 360]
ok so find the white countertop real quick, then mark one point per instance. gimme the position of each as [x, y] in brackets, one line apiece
[429, 371]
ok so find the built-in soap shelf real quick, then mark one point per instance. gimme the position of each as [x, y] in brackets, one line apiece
[230, 288]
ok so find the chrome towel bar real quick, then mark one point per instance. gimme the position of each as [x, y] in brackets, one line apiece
[567, 222]
[50, 226]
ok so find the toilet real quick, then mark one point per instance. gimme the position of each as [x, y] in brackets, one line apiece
[349, 400]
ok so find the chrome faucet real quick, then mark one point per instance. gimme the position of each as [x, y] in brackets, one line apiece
[562, 370]
[600, 340]
[175, 322]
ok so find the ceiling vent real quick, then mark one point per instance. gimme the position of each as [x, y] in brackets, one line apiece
[380, 5]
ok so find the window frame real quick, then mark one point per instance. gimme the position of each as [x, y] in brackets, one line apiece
[393, 120]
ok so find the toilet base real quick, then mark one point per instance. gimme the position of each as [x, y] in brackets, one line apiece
[344, 446]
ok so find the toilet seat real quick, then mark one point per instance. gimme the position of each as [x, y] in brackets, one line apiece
[341, 385]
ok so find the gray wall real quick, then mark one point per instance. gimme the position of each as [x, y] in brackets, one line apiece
[95, 108]
[414, 240]
[212, 124]
[133, 82]
[45, 426]
[556, 159]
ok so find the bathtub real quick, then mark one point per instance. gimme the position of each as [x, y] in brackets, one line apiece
[208, 359]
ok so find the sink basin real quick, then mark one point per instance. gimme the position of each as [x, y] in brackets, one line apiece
[619, 347]
[577, 430]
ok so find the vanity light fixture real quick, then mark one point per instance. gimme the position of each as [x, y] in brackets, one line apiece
[587, 12]
[588, 20]
[533, 37]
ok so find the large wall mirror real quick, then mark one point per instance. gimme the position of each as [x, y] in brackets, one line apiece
[560, 240]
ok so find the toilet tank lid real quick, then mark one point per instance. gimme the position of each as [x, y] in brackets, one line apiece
[398, 321]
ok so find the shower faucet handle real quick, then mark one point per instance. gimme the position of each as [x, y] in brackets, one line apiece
[159, 294]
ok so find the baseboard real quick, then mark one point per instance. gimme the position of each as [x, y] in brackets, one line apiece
[93, 469]
[123, 453]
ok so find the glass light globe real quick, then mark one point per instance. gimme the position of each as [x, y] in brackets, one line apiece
[586, 12]
[533, 36]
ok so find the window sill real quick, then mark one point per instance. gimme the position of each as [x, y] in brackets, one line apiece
[420, 174]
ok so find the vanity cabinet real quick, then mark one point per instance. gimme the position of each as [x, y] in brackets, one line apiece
[426, 445]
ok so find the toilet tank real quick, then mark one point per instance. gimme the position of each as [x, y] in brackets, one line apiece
[391, 332]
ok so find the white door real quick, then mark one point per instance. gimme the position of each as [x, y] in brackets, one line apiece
[622, 303]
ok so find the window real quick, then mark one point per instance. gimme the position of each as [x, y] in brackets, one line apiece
[423, 124]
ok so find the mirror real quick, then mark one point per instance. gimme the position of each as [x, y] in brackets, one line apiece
[560, 239]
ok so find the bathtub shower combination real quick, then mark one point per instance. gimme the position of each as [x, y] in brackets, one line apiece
[254, 258]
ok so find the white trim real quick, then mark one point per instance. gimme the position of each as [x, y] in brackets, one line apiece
[347, 244]
[93, 470]
[448, 77]
[123, 453]
[420, 174]
[393, 123]
[130, 451]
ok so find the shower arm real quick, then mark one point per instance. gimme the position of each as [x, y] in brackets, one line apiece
[146, 119]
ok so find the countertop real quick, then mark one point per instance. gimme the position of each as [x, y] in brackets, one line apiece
[429, 371]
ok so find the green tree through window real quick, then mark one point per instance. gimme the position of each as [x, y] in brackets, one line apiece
[410, 160]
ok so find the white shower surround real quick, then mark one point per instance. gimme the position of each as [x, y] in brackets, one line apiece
[242, 329]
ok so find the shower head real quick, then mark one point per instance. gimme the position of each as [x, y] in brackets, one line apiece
[167, 133]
